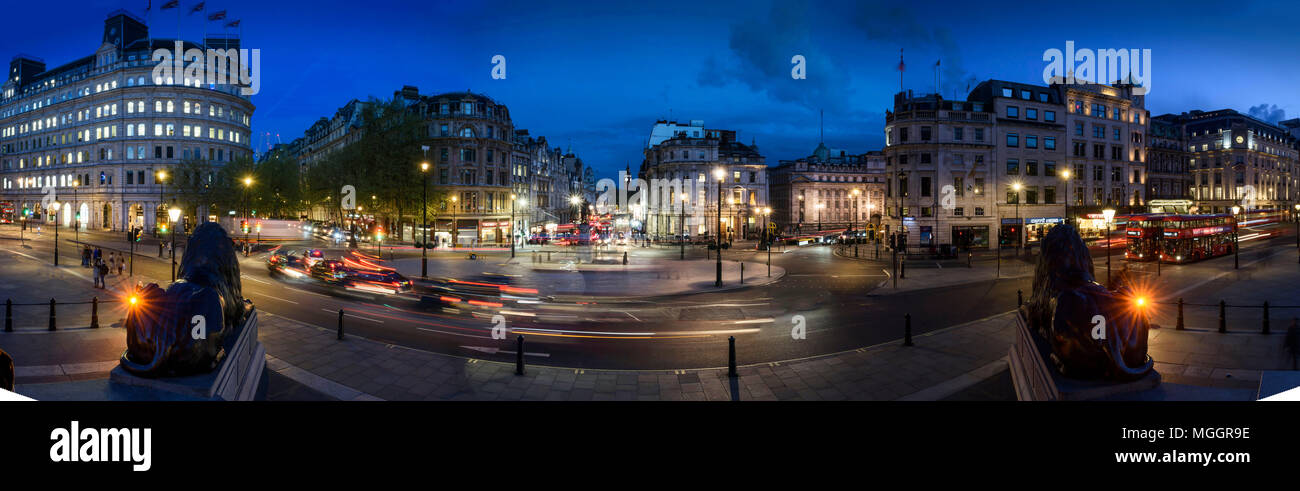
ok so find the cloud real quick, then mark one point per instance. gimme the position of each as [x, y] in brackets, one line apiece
[1268, 112]
[900, 27]
[761, 50]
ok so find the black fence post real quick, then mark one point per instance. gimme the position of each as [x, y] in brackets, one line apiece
[94, 312]
[1180, 314]
[9, 315]
[52, 323]
[1266, 317]
[742, 272]
[340, 324]
[902, 267]
[519, 355]
[1223, 321]
[731, 357]
[907, 329]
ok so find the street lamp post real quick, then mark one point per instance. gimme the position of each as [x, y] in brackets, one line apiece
[681, 232]
[76, 213]
[1065, 174]
[1020, 229]
[1108, 214]
[819, 207]
[248, 182]
[512, 225]
[56, 207]
[767, 212]
[161, 178]
[173, 214]
[455, 230]
[720, 175]
[1296, 219]
[424, 204]
[1236, 244]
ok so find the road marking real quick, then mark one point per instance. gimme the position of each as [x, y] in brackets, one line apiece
[356, 316]
[493, 351]
[439, 331]
[247, 277]
[629, 314]
[277, 298]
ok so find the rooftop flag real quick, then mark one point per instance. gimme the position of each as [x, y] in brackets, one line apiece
[170, 5]
[197, 8]
[218, 15]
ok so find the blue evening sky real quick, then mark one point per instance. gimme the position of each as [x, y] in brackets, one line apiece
[596, 75]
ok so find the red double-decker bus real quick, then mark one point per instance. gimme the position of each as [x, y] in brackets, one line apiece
[1188, 238]
[7, 214]
[1143, 233]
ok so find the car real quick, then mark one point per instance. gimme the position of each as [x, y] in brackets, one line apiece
[277, 262]
[329, 271]
[377, 281]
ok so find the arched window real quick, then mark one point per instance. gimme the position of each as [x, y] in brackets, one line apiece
[467, 132]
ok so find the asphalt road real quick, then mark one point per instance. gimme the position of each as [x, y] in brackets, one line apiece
[831, 297]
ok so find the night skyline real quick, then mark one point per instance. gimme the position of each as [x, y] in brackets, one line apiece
[598, 77]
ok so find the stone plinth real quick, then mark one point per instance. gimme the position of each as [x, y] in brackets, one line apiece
[240, 376]
[1037, 379]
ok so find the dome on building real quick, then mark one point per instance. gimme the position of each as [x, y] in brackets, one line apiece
[822, 153]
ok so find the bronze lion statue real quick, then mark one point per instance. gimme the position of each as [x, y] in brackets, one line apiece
[1095, 334]
[163, 335]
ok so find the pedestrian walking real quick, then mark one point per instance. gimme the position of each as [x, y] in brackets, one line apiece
[85, 256]
[97, 273]
[121, 264]
[97, 256]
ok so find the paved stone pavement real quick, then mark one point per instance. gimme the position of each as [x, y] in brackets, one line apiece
[357, 368]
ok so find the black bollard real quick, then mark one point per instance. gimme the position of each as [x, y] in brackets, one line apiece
[1180, 314]
[52, 323]
[907, 329]
[9, 314]
[742, 272]
[1020, 298]
[340, 324]
[1266, 317]
[625, 258]
[1223, 321]
[519, 355]
[902, 267]
[731, 357]
[94, 312]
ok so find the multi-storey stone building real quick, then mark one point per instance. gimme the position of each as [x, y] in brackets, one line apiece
[930, 143]
[471, 143]
[829, 190]
[106, 127]
[1105, 140]
[1029, 157]
[695, 156]
[1237, 160]
[478, 160]
[1169, 180]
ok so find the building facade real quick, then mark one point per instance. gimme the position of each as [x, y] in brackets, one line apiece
[1029, 137]
[829, 190]
[102, 136]
[695, 157]
[1105, 137]
[471, 143]
[932, 143]
[1169, 180]
[1237, 160]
